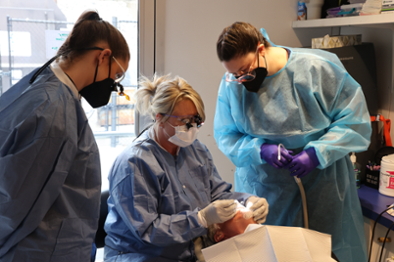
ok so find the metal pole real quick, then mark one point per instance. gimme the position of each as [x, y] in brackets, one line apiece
[113, 118]
[46, 19]
[113, 103]
[1, 75]
[9, 29]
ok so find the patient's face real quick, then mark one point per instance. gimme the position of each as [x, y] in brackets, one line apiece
[233, 227]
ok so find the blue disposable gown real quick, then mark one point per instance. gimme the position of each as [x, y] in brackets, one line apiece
[311, 102]
[154, 200]
[49, 173]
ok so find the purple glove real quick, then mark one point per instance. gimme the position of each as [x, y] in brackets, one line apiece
[304, 163]
[269, 153]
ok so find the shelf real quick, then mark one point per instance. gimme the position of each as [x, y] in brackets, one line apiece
[381, 21]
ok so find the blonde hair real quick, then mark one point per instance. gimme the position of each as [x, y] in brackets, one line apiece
[160, 95]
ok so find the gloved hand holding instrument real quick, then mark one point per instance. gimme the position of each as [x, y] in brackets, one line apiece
[269, 153]
[218, 211]
[303, 163]
[259, 207]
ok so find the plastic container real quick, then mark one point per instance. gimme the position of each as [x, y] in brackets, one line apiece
[333, 12]
[313, 9]
[356, 168]
[386, 178]
[351, 9]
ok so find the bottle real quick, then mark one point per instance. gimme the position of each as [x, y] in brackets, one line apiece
[301, 12]
[356, 168]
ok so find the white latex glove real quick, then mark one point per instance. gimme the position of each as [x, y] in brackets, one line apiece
[218, 211]
[259, 206]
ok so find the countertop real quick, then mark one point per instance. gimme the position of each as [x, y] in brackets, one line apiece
[373, 203]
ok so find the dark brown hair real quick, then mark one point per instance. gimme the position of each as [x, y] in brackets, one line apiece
[87, 32]
[238, 39]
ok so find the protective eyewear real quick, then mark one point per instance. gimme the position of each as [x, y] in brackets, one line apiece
[249, 76]
[188, 121]
[118, 79]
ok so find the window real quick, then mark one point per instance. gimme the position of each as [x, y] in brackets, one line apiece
[32, 31]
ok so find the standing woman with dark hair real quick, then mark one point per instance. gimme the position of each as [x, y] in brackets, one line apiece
[50, 180]
[303, 105]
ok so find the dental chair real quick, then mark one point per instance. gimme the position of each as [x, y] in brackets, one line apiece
[100, 234]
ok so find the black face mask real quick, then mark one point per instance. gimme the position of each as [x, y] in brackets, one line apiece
[97, 94]
[255, 84]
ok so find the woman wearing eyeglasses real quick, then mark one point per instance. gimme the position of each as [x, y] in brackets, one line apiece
[305, 100]
[164, 189]
[50, 179]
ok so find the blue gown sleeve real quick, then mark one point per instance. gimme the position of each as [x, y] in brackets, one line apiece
[34, 159]
[241, 148]
[138, 205]
[350, 126]
[220, 189]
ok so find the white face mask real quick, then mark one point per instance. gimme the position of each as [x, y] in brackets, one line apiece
[183, 137]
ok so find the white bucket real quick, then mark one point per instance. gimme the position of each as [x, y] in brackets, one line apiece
[313, 9]
[386, 178]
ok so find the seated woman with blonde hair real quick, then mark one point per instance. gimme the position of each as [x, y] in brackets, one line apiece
[164, 188]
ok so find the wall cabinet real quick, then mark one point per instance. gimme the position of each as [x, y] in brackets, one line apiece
[380, 233]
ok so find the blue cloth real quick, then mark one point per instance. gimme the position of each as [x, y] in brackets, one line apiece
[311, 102]
[49, 174]
[154, 200]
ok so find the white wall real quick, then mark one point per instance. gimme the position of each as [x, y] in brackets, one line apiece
[186, 38]
[186, 34]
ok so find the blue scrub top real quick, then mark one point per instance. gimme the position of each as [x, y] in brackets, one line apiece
[154, 200]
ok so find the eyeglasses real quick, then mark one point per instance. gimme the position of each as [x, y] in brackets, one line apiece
[118, 79]
[249, 76]
[188, 121]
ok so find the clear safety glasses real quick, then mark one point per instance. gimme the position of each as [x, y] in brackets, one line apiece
[249, 76]
[118, 79]
[188, 121]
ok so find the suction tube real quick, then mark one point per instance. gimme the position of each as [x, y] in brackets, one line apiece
[302, 191]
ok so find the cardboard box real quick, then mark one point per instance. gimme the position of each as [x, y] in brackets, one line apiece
[336, 41]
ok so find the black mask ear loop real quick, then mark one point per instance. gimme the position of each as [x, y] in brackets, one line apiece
[109, 75]
[265, 60]
[258, 61]
[109, 72]
[95, 73]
